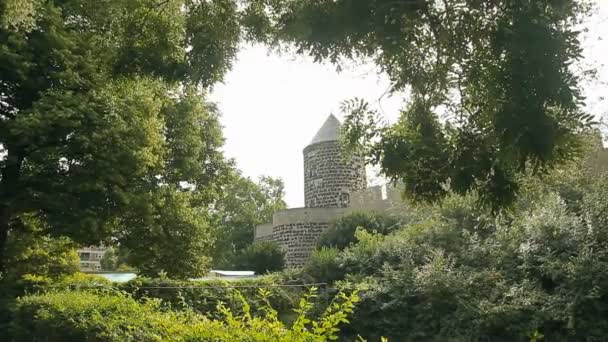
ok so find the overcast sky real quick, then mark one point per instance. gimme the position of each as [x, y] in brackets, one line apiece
[272, 105]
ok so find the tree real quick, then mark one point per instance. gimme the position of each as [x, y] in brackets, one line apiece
[18, 14]
[104, 124]
[243, 205]
[324, 265]
[109, 261]
[498, 71]
[261, 257]
[34, 253]
[178, 242]
[115, 259]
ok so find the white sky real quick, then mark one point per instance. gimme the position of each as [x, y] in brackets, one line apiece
[273, 105]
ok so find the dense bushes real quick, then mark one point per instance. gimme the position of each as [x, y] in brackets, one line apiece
[203, 296]
[341, 233]
[261, 257]
[85, 316]
[79, 316]
[540, 270]
[463, 274]
[323, 266]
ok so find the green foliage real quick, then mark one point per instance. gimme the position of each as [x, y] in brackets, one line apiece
[109, 261]
[463, 277]
[115, 259]
[34, 258]
[18, 14]
[42, 256]
[498, 71]
[104, 126]
[261, 257]
[243, 205]
[203, 295]
[78, 316]
[178, 242]
[463, 274]
[80, 281]
[341, 232]
[324, 265]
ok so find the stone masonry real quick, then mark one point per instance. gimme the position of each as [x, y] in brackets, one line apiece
[331, 183]
[328, 178]
[298, 240]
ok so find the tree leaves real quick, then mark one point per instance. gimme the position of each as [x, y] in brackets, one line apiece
[499, 72]
[102, 115]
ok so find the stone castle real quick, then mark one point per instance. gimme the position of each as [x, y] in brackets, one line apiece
[333, 186]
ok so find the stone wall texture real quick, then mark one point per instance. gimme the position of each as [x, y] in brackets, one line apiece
[263, 232]
[329, 179]
[298, 240]
[297, 230]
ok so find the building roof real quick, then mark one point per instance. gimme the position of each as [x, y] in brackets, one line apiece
[330, 131]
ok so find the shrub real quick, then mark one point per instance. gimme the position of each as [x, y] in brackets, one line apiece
[540, 270]
[82, 281]
[324, 266]
[203, 295]
[341, 233]
[83, 316]
[262, 257]
[35, 253]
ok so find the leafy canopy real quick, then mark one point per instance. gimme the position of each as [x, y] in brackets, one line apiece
[261, 257]
[242, 205]
[105, 131]
[500, 72]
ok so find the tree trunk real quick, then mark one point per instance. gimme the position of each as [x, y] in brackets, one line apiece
[9, 190]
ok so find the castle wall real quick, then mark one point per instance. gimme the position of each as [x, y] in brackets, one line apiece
[333, 186]
[328, 178]
[296, 231]
[263, 232]
[382, 198]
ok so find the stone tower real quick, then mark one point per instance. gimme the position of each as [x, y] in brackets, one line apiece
[329, 178]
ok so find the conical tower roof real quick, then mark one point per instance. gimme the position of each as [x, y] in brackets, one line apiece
[330, 131]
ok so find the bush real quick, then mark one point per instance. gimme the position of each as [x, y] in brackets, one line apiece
[323, 266]
[203, 295]
[341, 233]
[540, 270]
[262, 257]
[33, 258]
[83, 316]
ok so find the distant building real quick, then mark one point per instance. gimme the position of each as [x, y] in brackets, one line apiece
[90, 258]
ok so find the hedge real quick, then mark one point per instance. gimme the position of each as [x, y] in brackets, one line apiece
[202, 296]
[86, 316]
